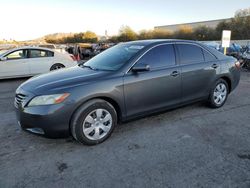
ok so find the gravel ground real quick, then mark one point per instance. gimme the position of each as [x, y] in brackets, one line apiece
[193, 146]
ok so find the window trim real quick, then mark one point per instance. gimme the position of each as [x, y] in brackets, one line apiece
[215, 58]
[163, 44]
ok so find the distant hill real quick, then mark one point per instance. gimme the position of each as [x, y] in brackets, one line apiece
[58, 35]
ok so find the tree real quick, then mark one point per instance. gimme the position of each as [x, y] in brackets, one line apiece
[144, 34]
[240, 27]
[126, 34]
[220, 27]
[184, 32]
[203, 33]
[90, 36]
[242, 12]
[161, 34]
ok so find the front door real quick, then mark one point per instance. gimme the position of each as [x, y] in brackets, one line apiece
[154, 89]
[15, 64]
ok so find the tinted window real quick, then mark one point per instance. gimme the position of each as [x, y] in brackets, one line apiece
[50, 54]
[19, 54]
[160, 56]
[190, 53]
[208, 56]
[40, 53]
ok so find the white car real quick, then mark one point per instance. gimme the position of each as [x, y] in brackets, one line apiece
[30, 61]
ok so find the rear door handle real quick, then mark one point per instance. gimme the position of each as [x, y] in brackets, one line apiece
[175, 73]
[215, 66]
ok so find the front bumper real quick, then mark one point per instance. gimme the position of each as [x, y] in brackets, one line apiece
[50, 120]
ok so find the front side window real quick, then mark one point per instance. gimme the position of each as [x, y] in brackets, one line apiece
[158, 57]
[190, 53]
[19, 54]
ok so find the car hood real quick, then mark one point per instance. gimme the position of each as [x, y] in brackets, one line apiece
[62, 79]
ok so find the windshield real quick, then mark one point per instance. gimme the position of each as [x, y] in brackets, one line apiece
[114, 58]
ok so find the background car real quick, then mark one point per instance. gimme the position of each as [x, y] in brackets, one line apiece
[29, 61]
[234, 50]
[213, 44]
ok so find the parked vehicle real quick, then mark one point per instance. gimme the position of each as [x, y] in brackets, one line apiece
[50, 46]
[245, 60]
[127, 81]
[29, 61]
[213, 44]
[234, 50]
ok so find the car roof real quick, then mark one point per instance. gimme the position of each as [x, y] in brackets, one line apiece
[32, 47]
[149, 43]
[158, 41]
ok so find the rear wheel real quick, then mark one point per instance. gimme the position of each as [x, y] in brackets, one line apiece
[57, 66]
[93, 122]
[218, 94]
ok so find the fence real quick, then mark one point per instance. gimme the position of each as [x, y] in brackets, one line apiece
[240, 42]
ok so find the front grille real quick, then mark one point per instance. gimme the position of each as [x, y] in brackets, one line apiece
[19, 99]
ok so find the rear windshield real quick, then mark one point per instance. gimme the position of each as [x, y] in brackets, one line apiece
[219, 55]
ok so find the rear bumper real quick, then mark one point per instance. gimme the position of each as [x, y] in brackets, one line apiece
[235, 78]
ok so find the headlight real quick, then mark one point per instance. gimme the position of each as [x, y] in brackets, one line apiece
[48, 99]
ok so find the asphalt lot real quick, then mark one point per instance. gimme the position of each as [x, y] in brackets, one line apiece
[193, 146]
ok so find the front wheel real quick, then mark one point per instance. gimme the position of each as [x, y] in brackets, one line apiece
[93, 122]
[218, 94]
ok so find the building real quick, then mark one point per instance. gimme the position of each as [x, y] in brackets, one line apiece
[193, 25]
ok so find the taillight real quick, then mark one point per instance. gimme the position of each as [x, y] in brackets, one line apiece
[237, 64]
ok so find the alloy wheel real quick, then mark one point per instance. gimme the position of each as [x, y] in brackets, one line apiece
[220, 93]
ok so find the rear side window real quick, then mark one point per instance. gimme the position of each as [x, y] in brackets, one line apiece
[50, 54]
[40, 53]
[160, 56]
[208, 56]
[190, 53]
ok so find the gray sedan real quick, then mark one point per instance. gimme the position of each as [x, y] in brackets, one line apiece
[127, 81]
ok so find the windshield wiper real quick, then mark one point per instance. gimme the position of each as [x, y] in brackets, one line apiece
[87, 66]
[92, 68]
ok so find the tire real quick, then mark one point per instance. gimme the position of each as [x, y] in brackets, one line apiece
[218, 94]
[93, 122]
[57, 66]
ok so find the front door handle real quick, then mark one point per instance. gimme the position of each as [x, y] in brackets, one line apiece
[215, 66]
[175, 73]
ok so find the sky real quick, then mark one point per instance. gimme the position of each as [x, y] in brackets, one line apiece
[26, 19]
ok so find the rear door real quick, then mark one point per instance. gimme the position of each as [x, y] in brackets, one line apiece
[157, 88]
[198, 67]
[40, 61]
[15, 64]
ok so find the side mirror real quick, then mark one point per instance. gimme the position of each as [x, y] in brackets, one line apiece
[3, 58]
[140, 68]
